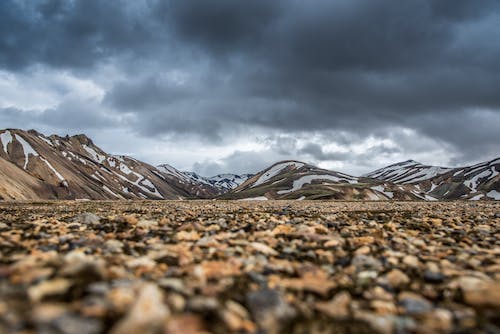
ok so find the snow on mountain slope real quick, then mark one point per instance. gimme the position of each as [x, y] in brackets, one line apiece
[73, 167]
[221, 182]
[445, 183]
[228, 182]
[275, 170]
[407, 172]
[299, 180]
[6, 139]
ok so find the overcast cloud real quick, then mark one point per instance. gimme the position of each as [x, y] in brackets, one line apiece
[232, 86]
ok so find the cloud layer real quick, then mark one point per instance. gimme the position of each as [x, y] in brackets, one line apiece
[345, 84]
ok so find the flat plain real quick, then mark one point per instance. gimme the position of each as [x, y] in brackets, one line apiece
[249, 266]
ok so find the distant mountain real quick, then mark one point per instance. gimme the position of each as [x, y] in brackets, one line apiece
[299, 180]
[480, 181]
[221, 182]
[34, 166]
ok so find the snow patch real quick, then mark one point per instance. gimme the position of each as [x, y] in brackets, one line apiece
[27, 149]
[95, 156]
[6, 139]
[477, 197]
[493, 194]
[474, 182]
[429, 198]
[59, 176]
[258, 198]
[46, 140]
[297, 184]
[382, 190]
[275, 170]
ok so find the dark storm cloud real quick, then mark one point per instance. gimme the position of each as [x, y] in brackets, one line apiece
[346, 66]
[70, 33]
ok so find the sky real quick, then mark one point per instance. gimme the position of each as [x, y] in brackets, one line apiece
[234, 86]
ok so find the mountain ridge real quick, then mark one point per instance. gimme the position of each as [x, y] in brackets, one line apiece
[35, 166]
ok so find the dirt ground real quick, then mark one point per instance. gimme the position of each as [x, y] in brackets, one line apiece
[249, 266]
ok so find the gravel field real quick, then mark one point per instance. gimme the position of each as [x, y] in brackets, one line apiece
[249, 266]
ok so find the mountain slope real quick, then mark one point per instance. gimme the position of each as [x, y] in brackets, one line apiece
[407, 172]
[73, 167]
[221, 182]
[480, 181]
[299, 180]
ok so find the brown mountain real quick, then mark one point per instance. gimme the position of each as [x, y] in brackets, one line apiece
[33, 166]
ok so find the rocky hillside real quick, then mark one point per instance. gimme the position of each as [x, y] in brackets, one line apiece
[33, 166]
[480, 181]
[299, 180]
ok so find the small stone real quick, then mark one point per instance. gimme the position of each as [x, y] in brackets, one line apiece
[264, 249]
[362, 241]
[174, 284]
[364, 250]
[236, 318]
[433, 277]
[379, 324]
[187, 236]
[437, 321]
[411, 261]
[176, 302]
[484, 294]
[378, 293]
[146, 223]
[338, 307]
[413, 303]
[217, 269]
[383, 307]
[129, 219]
[186, 324]
[54, 287]
[396, 278]
[333, 243]
[147, 314]
[202, 304]
[143, 262]
[87, 218]
[114, 246]
[269, 310]
[364, 262]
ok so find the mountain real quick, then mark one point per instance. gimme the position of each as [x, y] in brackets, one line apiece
[34, 166]
[407, 172]
[298, 180]
[221, 183]
[480, 181]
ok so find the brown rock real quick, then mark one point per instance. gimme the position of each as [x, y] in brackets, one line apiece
[147, 314]
[338, 307]
[396, 278]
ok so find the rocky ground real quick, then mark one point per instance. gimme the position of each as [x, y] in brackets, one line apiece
[258, 267]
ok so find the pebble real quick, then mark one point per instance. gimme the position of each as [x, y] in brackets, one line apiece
[257, 267]
[414, 303]
[396, 278]
[269, 309]
[147, 315]
[54, 287]
[338, 307]
[87, 218]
